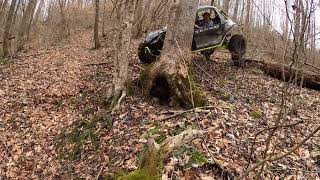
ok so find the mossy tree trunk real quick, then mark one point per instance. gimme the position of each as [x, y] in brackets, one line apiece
[170, 77]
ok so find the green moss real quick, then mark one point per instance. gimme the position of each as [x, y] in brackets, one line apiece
[159, 135]
[257, 71]
[232, 77]
[226, 97]
[188, 84]
[144, 76]
[4, 61]
[197, 158]
[149, 169]
[257, 114]
[71, 140]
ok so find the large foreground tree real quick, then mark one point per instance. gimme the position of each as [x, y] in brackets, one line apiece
[170, 77]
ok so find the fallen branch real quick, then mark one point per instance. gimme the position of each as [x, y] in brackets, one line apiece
[98, 64]
[276, 158]
[97, 177]
[172, 143]
[271, 128]
[179, 113]
[315, 67]
[294, 169]
[151, 162]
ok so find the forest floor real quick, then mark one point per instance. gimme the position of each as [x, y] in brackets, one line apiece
[54, 120]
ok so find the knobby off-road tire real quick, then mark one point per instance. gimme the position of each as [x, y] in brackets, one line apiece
[237, 47]
[144, 57]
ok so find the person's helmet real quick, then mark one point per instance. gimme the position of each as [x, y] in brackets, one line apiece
[206, 13]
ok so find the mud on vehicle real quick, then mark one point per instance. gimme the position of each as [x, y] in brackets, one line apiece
[206, 39]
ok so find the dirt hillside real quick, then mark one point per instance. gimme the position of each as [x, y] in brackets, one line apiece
[54, 121]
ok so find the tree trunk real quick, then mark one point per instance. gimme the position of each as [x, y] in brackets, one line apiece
[2, 10]
[27, 16]
[284, 73]
[170, 79]
[7, 29]
[236, 9]
[138, 20]
[16, 12]
[104, 14]
[33, 17]
[212, 3]
[226, 5]
[313, 40]
[125, 14]
[96, 26]
[248, 14]
[34, 21]
[64, 25]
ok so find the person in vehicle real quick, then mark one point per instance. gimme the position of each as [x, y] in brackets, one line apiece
[206, 23]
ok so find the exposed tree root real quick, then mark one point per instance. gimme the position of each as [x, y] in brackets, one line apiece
[117, 101]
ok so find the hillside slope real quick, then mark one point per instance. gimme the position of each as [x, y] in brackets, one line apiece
[54, 120]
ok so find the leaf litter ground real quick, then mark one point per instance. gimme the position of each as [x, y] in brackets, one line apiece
[54, 121]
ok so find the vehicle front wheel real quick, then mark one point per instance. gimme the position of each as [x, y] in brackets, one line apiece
[237, 47]
[145, 56]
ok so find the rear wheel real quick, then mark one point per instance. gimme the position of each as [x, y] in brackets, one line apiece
[237, 47]
[145, 55]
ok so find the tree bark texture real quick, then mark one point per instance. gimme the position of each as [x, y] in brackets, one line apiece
[26, 18]
[96, 25]
[125, 14]
[7, 28]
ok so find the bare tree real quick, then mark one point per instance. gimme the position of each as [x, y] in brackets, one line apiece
[236, 9]
[7, 28]
[138, 20]
[96, 25]
[34, 17]
[248, 14]
[226, 5]
[64, 25]
[27, 16]
[104, 15]
[212, 3]
[2, 10]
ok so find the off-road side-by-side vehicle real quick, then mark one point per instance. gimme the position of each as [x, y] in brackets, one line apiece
[205, 39]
